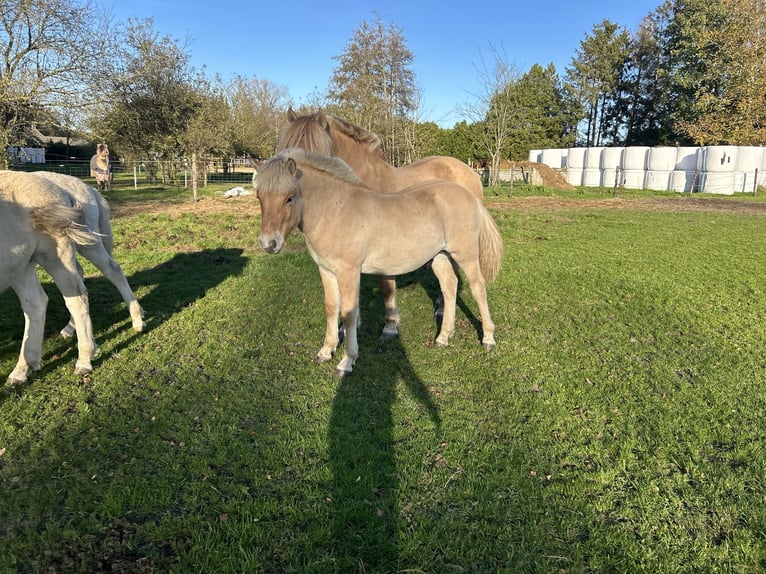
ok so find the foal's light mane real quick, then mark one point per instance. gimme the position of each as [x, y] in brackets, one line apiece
[274, 174]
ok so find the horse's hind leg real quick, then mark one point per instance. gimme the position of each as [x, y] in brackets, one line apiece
[479, 291]
[63, 269]
[98, 255]
[388, 292]
[34, 302]
[445, 273]
[348, 284]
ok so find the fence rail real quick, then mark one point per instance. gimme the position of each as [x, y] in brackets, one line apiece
[169, 172]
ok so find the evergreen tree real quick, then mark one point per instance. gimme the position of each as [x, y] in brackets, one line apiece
[595, 77]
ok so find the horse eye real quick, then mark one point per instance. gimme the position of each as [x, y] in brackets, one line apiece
[289, 199]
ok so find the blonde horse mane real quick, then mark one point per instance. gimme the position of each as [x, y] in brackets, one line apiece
[271, 177]
[312, 132]
[356, 133]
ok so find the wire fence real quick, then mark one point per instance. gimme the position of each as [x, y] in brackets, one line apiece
[176, 172]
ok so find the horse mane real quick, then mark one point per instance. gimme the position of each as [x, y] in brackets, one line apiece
[310, 132]
[356, 133]
[333, 166]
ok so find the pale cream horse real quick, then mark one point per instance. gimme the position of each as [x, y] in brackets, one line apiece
[350, 229]
[40, 224]
[361, 150]
[96, 214]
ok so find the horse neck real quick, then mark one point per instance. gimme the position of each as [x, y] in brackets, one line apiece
[370, 166]
[318, 188]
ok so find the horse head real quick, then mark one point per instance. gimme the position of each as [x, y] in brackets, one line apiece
[310, 132]
[279, 195]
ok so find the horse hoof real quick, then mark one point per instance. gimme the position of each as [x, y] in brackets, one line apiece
[388, 336]
[319, 360]
[139, 328]
[83, 370]
[488, 346]
[341, 374]
[440, 345]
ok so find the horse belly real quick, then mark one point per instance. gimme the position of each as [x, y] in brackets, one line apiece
[395, 258]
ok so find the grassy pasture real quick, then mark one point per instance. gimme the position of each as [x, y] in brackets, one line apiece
[617, 426]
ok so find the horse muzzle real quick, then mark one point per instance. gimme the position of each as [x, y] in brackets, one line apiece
[271, 245]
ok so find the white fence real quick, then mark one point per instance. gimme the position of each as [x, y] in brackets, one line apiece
[710, 169]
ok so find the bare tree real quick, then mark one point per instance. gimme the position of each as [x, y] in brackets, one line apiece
[374, 86]
[257, 109]
[492, 107]
[51, 51]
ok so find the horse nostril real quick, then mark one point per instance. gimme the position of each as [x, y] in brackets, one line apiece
[268, 246]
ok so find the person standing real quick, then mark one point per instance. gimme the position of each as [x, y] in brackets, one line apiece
[99, 167]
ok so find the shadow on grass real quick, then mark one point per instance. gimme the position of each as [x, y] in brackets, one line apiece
[173, 284]
[361, 447]
[427, 280]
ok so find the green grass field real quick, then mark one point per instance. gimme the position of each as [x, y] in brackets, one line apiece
[617, 426]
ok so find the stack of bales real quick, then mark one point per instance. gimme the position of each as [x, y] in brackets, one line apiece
[712, 169]
[660, 163]
[611, 166]
[634, 166]
[684, 175]
[576, 164]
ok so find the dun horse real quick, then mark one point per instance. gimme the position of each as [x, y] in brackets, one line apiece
[96, 218]
[40, 224]
[350, 229]
[360, 149]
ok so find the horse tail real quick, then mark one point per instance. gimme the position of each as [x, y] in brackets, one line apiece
[104, 221]
[490, 246]
[59, 219]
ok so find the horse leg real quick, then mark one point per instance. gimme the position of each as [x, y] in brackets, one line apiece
[479, 292]
[34, 302]
[445, 273]
[439, 307]
[331, 307]
[388, 292]
[63, 269]
[98, 255]
[348, 284]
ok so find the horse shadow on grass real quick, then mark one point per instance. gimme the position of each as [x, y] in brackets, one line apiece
[172, 285]
[430, 284]
[361, 445]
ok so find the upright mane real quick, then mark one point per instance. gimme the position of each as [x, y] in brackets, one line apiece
[357, 133]
[313, 132]
[273, 174]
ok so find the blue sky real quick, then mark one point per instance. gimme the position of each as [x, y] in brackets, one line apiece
[293, 44]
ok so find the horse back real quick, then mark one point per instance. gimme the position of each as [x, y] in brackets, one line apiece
[446, 168]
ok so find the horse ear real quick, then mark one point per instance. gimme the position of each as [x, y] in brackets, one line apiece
[291, 115]
[322, 120]
[291, 166]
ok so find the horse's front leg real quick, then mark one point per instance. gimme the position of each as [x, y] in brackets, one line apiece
[331, 308]
[348, 284]
[388, 292]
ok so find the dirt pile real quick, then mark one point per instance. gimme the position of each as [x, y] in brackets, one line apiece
[545, 175]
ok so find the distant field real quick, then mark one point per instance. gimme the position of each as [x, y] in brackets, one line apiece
[616, 427]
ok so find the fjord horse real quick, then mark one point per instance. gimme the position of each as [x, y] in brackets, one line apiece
[40, 224]
[350, 229]
[361, 149]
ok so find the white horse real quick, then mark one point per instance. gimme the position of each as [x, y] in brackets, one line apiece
[40, 224]
[96, 218]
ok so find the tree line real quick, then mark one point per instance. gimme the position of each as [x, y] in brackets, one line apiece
[694, 72]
